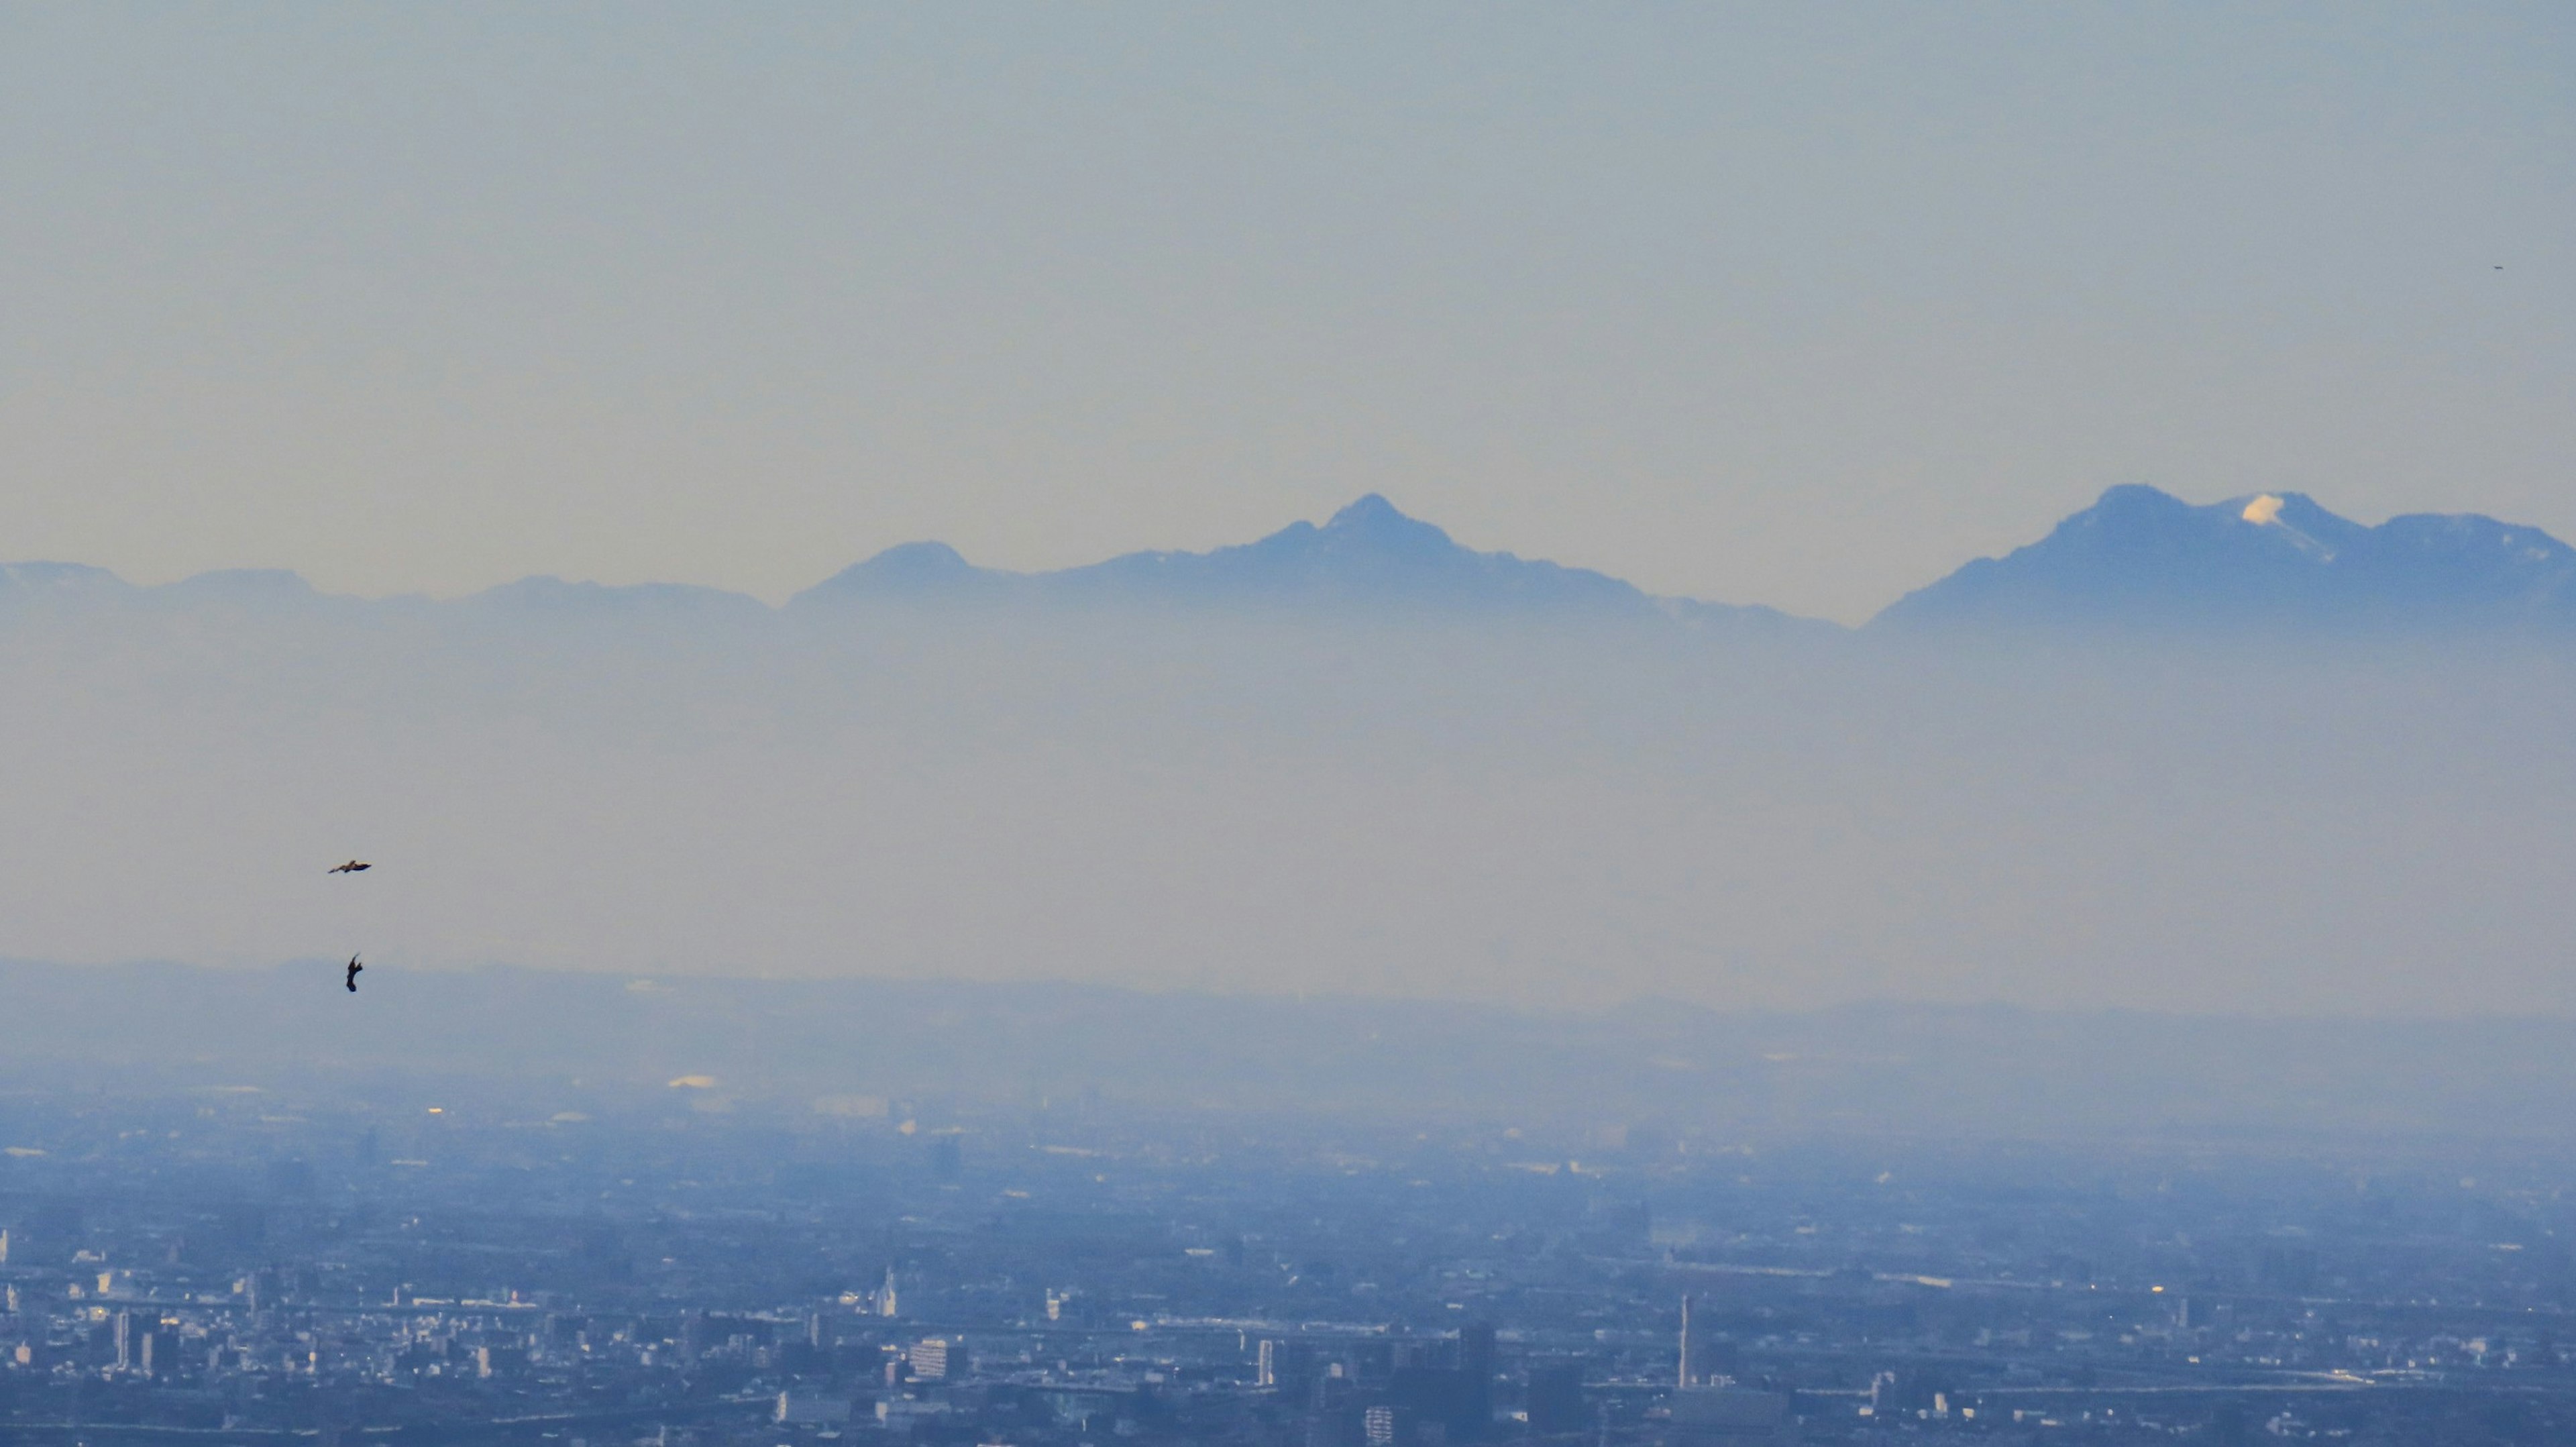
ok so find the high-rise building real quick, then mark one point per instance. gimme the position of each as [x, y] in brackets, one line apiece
[1445, 1383]
[1476, 1364]
[1288, 1366]
[936, 1359]
[1476, 1349]
[1682, 1372]
[1554, 1401]
[132, 1328]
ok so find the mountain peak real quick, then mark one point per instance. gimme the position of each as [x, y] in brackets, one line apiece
[906, 571]
[2140, 558]
[58, 582]
[918, 562]
[1374, 521]
[1369, 557]
[1368, 511]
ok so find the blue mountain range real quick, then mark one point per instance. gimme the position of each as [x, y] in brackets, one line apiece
[2141, 559]
[2136, 560]
[1367, 556]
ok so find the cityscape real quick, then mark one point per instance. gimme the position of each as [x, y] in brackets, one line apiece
[350, 1262]
[835, 724]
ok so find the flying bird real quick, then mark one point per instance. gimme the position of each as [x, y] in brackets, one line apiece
[352, 867]
[351, 979]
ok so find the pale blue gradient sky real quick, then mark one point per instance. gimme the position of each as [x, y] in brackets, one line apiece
[1799, 305]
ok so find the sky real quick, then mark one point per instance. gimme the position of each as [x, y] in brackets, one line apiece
[1792, 305]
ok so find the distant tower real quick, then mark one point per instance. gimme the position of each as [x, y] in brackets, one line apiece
[1682, 1377]
[885, 1295]
[1476, 1361]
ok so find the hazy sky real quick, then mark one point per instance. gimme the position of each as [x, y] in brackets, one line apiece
[1791, 304]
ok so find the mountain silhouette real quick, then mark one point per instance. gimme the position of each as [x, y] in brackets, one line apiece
[2143, 560]
[60, 586]
[1368, 556]
[2137, 560]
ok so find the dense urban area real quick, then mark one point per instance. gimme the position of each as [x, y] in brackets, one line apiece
[344, 1262]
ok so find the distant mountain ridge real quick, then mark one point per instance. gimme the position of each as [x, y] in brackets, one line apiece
[2137, 560]
[2142, 559]
[1369, 559]
[1369, 554]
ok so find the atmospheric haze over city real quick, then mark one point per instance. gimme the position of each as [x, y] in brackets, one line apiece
[1321, 725]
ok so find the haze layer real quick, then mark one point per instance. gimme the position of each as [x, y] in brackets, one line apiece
[1352, 757]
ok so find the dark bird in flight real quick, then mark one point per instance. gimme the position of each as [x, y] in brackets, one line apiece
[351, 980]
[352, 867]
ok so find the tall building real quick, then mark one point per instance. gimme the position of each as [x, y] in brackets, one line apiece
[937, 1359]
[1449, 1383]
[1682, 1360]
[1554, 1400]
[1289, 1366]
[1476, 1363]
[135, 1331]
